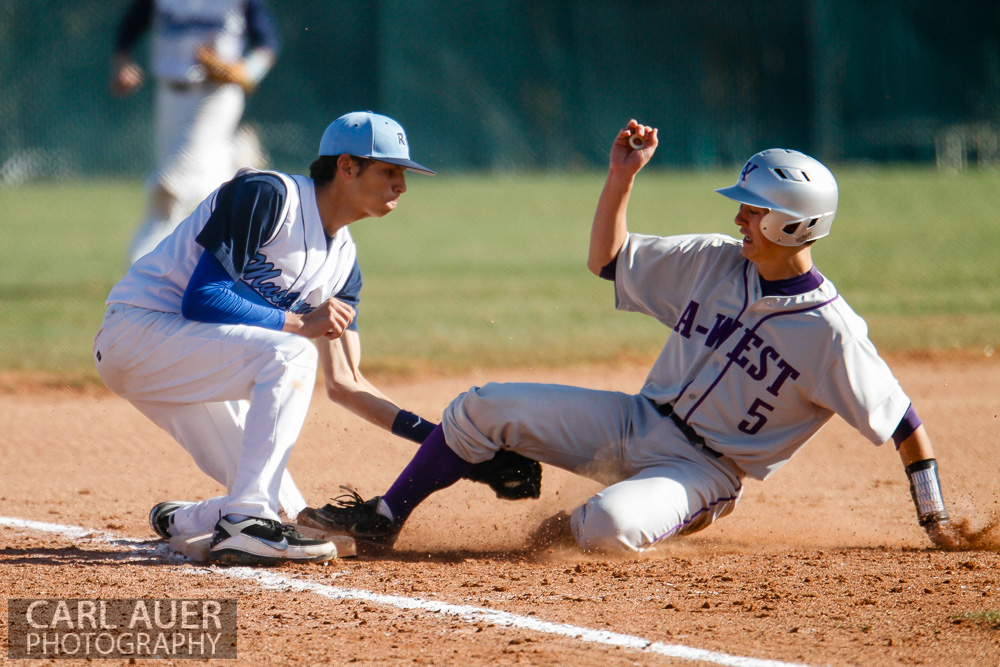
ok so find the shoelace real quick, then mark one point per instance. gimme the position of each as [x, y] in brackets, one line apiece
[349, 500]
[289, 531]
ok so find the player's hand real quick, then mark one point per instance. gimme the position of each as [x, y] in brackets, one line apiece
[220, 71]
[126, 76]
[329, 320]
[633, 147]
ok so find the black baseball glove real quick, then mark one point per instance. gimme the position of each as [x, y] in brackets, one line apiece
[510, 475]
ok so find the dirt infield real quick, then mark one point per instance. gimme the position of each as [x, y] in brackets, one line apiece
[824, 564]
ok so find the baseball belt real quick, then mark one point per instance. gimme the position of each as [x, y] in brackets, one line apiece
[698, 442]
[189, 86]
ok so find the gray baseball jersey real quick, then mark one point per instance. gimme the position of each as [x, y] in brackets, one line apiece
[755, 376]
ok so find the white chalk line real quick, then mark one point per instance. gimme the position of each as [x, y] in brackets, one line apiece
[468, 614]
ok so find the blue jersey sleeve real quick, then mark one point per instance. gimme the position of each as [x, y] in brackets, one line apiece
[247, 213]
[209, 297]
[261, 31]
[351, 292]
[134, 24]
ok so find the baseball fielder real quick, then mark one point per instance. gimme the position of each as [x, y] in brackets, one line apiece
[206, 56]
[762, 352]
[211, 336]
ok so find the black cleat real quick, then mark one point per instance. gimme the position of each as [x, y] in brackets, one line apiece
[350, 514]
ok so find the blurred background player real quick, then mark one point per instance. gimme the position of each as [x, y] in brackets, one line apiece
[762, 351]
[206, 56]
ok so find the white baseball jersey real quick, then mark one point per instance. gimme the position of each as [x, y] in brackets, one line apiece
[755, 376]
[296, 268]
[234, 396]
[181, 27]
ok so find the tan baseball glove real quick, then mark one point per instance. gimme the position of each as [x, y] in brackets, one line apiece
[223, 72]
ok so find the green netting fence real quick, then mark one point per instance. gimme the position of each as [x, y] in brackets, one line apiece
[522, 84]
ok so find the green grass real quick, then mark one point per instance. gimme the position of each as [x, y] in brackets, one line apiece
[64, 249]
[990, 618]
[489, 270]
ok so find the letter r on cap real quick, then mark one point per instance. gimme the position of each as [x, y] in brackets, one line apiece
[402, 138]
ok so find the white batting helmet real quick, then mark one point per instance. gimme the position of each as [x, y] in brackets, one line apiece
[799, 191]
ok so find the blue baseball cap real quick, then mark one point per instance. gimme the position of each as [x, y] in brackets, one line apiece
[369, 135]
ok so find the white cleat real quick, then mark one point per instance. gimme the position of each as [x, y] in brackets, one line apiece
[256, 541]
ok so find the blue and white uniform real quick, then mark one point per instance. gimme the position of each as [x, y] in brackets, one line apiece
[192, 337]
[198, 145]
[750, 372]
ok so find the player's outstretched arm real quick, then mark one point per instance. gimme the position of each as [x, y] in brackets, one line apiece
[917, 455]
[631, 150]
[340, 360]
[126, 75]
[510, 475]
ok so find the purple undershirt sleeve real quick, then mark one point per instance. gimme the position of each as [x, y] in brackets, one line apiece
[907, 425]
[608, 272]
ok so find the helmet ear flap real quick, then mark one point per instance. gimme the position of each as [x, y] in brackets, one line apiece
[782, 229]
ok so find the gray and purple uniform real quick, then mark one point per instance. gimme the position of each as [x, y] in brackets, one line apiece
[750, 372]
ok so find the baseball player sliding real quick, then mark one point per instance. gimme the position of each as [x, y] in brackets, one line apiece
[206, 55]
[762, 352]
[211, 336]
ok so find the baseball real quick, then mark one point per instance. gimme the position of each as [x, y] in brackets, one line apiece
[636, 142]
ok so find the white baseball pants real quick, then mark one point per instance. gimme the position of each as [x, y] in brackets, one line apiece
[235, 397]
[660, 485]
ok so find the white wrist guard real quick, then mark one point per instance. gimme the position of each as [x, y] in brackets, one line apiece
[925, 487]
